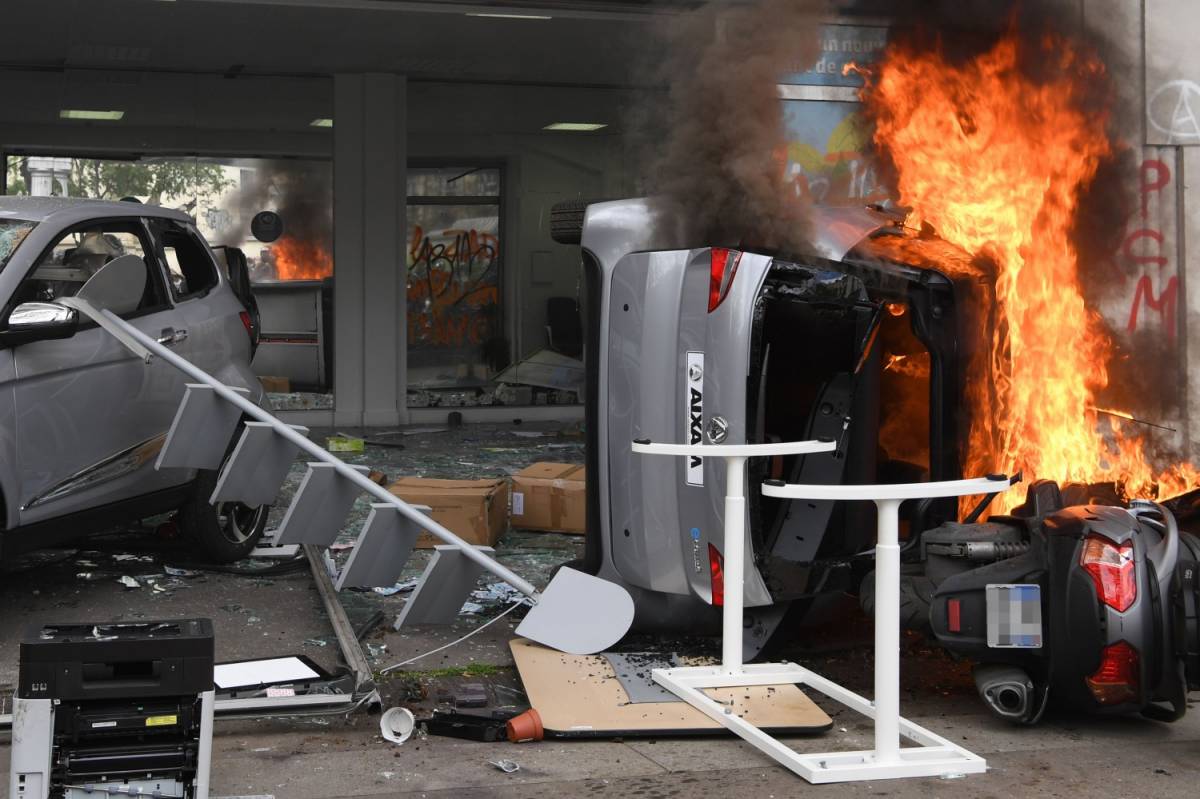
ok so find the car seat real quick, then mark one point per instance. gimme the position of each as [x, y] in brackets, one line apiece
[564, 330]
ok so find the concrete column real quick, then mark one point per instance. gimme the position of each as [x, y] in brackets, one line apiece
[369, 190]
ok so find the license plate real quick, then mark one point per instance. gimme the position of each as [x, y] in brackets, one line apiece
[1014, 616]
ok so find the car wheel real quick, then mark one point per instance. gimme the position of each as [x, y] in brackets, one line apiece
[566, 220]
[224, 532]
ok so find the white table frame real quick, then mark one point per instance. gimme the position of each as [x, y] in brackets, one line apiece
[933, 755]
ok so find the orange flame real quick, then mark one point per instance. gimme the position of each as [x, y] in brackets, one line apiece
[296, 259]
[995, 161]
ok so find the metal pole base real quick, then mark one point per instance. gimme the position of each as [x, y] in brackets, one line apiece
[933, 756]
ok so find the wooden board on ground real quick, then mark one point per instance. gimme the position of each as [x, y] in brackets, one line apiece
[580, 695]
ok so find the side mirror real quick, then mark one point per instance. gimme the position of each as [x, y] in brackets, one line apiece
[39, 321]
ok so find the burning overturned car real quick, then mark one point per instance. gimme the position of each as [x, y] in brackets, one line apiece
[941, 334]
[1072, 595]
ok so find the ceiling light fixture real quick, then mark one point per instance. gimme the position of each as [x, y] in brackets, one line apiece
[585, 126]
[321, 122]
[500, 15]
[79, 113]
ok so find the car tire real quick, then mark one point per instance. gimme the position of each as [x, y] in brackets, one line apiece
[224, 532]
[916, 598]
[566, 221]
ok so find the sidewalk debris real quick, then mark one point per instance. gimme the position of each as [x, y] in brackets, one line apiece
[468, 726]
[396, 724]
[344, 443]
[472, 694]
[403, 586]
[507, 766]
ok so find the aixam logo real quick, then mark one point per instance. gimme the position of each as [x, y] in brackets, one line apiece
[694, 413]
[696, 410]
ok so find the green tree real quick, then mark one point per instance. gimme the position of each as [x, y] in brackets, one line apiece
[112, 180]
[16, 177]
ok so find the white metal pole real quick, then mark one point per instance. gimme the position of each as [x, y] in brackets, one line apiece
[887, 632]
[734, 568]
[380, 493]
[204, 755]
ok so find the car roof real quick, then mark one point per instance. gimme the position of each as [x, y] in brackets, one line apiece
[69, 210]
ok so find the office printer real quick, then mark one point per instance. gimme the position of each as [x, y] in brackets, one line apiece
[114, 709]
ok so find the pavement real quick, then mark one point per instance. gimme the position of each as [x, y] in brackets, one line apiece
[265, 614]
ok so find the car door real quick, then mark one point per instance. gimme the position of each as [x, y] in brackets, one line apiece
[199, 304]
[90, 416]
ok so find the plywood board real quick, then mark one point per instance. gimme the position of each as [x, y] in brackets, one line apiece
[580, 695]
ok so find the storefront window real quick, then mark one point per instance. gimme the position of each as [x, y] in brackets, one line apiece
[455, 335]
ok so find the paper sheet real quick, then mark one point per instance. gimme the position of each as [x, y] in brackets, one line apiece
[261, 672]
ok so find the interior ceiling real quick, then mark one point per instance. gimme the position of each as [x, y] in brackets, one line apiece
[586, 42]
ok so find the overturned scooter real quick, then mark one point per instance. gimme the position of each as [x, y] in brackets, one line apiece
[1090, 606]
[268, 448]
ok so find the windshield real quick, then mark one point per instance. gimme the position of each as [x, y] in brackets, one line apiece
[12, 233]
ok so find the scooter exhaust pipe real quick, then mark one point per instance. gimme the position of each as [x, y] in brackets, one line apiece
[1010, 693]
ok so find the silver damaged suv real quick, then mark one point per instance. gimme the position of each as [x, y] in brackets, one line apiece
[81, 418]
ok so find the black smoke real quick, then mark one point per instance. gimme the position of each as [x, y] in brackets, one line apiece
[301, 192]
[711, 141]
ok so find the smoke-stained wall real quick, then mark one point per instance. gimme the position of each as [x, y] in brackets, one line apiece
[1146, 301]
[1171, 101]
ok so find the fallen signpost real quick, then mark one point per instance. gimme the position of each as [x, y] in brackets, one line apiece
[268, 442]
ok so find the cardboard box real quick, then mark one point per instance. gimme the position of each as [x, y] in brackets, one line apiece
[275, 385]
[550, 496]
[474, 510]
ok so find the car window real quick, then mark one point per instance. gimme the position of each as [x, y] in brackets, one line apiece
[12, 233]
[189, 264]
[76, 257]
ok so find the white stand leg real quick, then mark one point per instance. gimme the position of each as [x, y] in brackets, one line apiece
[734, 569]
[933, 755]
[887, 632]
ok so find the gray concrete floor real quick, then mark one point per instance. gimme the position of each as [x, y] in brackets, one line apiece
[332, 757]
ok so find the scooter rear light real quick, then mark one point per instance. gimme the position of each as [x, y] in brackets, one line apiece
[247, 323]
[954, 615]
[1112, 570]
[716, 569]
[1116, 681]
[720, 275]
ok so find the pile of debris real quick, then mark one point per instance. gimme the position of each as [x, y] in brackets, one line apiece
[544, 378]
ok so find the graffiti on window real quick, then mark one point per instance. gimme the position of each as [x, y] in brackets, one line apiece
[453, 284]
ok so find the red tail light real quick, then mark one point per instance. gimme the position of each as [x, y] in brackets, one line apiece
[954, 615]
[1116, 681]
[716, 568]
[247, 323]
[721, 274]
[1112, 570]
